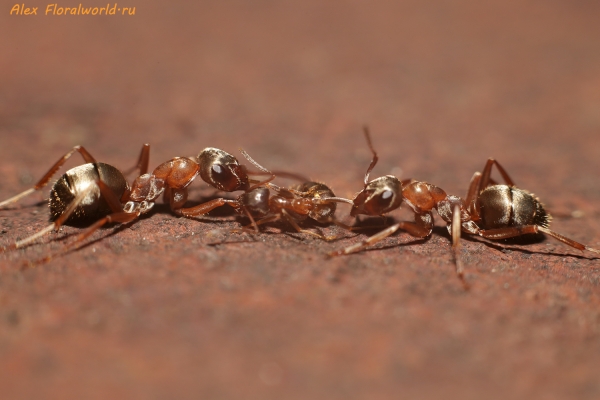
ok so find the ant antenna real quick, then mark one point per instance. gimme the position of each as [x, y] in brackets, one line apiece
[260, 167]
[375, 158]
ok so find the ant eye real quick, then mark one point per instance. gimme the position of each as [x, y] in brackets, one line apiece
[222, 175]
[217, 169]
[386, 194]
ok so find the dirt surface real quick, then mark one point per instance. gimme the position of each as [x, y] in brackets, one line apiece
[156, 310]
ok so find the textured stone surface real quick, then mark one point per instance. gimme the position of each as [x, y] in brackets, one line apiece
[153, 310]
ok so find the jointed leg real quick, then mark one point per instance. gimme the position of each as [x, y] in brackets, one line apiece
[205, 208]
[142, 162]
[473, 191]
[505, 233]
[87, 157]
[487, 171]
[421, 228]
[566, 240]
[456, 231]
[121, 217]
[297, 227]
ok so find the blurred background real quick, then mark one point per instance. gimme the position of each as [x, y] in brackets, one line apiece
[443, 85]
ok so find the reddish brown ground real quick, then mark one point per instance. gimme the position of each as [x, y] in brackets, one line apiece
[153, 311]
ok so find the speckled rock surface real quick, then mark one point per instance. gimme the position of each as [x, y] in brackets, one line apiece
[156, 310]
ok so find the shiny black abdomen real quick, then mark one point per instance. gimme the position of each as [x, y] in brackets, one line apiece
[78, 180]
[503, 206]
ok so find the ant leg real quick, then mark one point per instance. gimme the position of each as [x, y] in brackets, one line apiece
[204, 208]
[142, 162]
[252, 221]
[87, 157]
[121, 217]
[297, 227]
[486, 180]
[566, 240]
[473, 186]
[421, 228]
[504, 233]
[257, 223]
[472, 199]
[456, 231]
[487, 171]
[354, 228]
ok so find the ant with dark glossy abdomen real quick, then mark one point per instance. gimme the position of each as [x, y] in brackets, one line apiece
[98, 191]
[83, 193]
[491, 210]
[501, 211]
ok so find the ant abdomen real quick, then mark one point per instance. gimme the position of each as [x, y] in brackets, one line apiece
[503, 206]
[76, 181]
[222, 170]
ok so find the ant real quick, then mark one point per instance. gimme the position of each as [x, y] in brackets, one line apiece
[306, 200]
[83, 193]
[501, 211]
[99, 191]
[387, 193]
[490, 210]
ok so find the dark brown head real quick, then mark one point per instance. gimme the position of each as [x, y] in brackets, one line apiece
[222, 170]
[256, 201]
[79, 180]
[502, 206]
[379, 197]
[321, 212]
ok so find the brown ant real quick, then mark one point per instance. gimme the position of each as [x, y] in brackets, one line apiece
[97, 190]
[83, 193]
[493, 211]
[306, 200]
[387, 193]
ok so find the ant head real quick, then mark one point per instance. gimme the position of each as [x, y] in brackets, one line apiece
[222, 170]
[379, 196]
